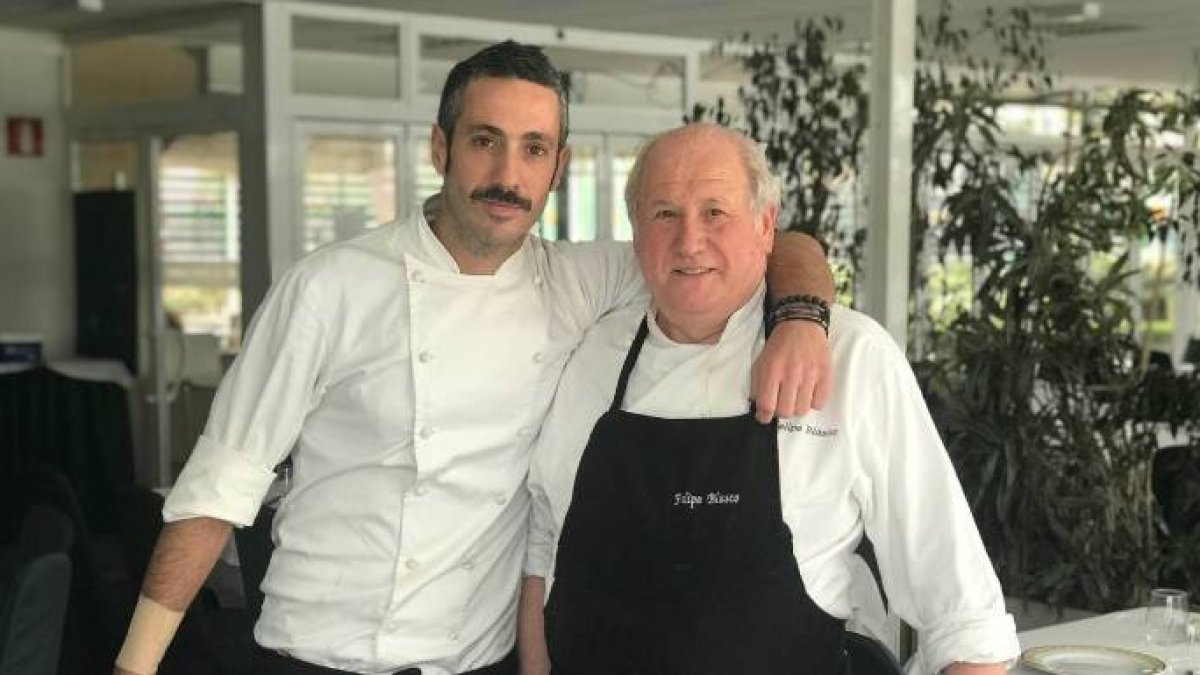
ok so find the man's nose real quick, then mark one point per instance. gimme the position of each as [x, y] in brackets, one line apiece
[691, 237]
[505, 168]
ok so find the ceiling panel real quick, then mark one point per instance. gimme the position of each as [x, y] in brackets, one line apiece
[1161, 48]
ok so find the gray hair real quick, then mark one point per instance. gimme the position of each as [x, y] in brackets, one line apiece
[764, 186]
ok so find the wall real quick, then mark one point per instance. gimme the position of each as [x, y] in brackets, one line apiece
[37, 273]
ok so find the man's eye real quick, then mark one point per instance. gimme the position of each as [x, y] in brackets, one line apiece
[664, 214]
[483, 142]
[715, 213]
[539, 150]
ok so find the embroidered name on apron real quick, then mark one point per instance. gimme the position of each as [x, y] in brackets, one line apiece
[691, 501]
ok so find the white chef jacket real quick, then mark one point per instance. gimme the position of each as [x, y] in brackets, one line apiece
[411, 394]
[871, 461]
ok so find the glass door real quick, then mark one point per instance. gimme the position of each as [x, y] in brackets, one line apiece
[181, 197]
[622, 151]
[198, 298]
[349, 180]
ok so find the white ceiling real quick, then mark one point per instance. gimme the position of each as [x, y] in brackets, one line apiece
[1157, 40]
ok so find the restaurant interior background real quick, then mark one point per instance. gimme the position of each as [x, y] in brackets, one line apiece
[1031, 236]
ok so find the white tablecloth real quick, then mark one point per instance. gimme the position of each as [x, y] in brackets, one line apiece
[1119, 629]
[95, 370]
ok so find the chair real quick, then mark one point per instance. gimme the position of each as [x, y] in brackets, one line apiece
[254, 548]
[1191, 354]
[868, 656]
[906, 638]
[33, 603]
[1175, 481]
[106, 567]
[1160, 361]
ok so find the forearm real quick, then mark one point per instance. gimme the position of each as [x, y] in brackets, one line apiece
[183, 557]
[532, 652]
[797, 266]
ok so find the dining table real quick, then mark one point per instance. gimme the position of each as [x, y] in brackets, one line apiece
[1124, 629]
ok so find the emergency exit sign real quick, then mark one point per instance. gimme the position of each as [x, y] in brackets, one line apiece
[24, 136]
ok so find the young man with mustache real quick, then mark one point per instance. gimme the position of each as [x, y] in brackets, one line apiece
[406, 372]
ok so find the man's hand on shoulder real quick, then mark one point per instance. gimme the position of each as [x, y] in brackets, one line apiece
[793, 373]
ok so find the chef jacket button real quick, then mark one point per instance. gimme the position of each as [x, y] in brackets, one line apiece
[501, 499]
[425, 432]
[411, 564]
[417, 276]
[537, 357]
[420, 490]
[453, 636]
[468, 565]
[523, 432]
[537, 280]
[425, 357]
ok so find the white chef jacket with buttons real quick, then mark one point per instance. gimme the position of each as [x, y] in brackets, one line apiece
[411, 394]
[870, 461]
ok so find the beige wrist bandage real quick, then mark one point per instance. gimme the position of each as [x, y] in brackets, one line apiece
[150, 633]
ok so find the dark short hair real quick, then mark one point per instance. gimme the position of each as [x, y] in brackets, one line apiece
[506, 59]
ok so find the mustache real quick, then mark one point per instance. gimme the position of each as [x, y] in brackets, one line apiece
[498, 193]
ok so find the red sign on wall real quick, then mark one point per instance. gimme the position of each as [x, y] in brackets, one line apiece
[25, 136]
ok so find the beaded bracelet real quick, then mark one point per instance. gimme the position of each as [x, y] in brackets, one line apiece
[799, 308]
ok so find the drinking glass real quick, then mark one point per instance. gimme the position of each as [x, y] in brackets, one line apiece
[1167, 616]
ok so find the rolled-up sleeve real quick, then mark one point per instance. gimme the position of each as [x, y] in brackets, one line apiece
[258, 410]
[935, 568]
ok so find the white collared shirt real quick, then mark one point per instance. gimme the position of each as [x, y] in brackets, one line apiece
[871, 461]
[411, 394]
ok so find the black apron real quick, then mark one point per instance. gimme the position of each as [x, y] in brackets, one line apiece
[674, 558]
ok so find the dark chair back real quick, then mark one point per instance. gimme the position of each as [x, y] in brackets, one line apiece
[254, 548]
[1161, 361]
[868, 656]
[33, 603]
[1191, 354]
[1175, 479]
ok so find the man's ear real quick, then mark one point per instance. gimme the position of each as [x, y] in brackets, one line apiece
[438, 149]
[564, 158]
[766, 227]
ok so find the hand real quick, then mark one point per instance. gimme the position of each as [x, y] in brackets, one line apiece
[792, 374]
[118, 670]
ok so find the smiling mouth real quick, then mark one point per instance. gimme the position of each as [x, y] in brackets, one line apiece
[692, 271]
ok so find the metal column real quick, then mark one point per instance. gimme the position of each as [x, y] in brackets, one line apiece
[890, 165]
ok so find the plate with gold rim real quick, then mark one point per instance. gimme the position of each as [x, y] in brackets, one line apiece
[1090, 660]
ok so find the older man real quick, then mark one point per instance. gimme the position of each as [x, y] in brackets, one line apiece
[691, 540]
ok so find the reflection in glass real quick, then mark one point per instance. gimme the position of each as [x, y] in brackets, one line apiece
[199, 237]
[622, 164]
[349, 186]
[581, 194]
[105, 166]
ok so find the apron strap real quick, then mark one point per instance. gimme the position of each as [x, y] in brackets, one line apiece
[630, 359]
